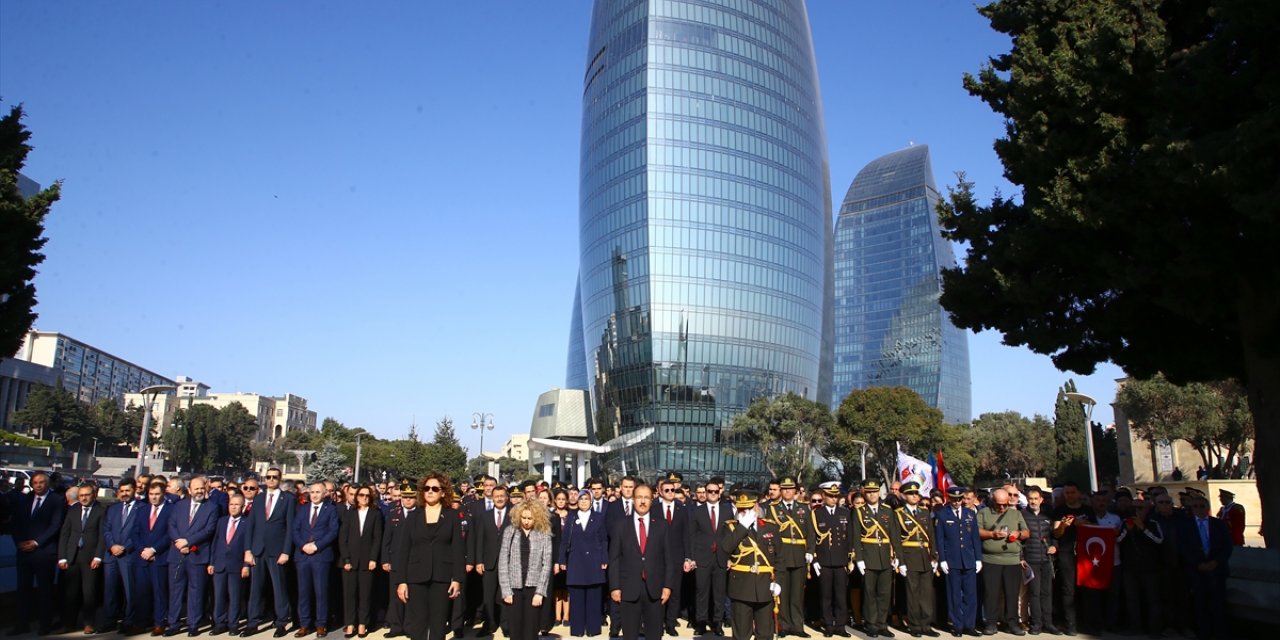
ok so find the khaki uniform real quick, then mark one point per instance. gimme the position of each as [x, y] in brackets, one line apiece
[875, 538]
[751, 553]
[794, 523]
[918, 555]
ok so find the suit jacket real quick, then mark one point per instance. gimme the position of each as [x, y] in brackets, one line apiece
[358, 546]
[273, 532]
[634, 572]
[678, 531]
[957, 539]
[1193, 553]
[486, 538]
[117, 530]
[153, 537]
[43, 526]
[324, 532]
[704, 541]
[613, 511]
[426, 556]
[82, 543]
[511, 569]
[198, 530]
[229, 556]
[583, 551]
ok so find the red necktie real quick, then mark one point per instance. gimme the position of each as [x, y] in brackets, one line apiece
[270, 501]
[231, 529]
[668, 514]
[155, 512]
[498, 514]
[644, 535]
[713, 527]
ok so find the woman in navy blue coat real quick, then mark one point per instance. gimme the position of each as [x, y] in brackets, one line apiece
[584, 557]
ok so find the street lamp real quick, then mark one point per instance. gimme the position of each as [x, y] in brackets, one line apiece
[357, 470]
[864, 457]
[1088, 434]
[482, 421]
[148, 399]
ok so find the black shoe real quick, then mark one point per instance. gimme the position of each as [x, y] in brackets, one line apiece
[717, 629]
[801, 634]
[973, 632]
[394, 633]
[249, 630]
[280, 632]
[1016, 630]
[871, 634]
[915, 634]
[1070, 631]
[931, 633]
[842, 633]
[885, 632]
[217, 631]
[958, 634]
[670, 629]
[193, 633]
[1051, 630]
[171, 632]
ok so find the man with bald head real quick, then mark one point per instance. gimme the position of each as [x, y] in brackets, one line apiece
[1002, 530]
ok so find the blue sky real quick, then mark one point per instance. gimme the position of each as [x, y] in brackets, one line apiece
[374, 205]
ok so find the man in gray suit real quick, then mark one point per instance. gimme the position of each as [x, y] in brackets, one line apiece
[80, 558]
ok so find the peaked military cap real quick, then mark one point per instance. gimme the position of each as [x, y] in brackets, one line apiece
[787, 482]
[870, 484]
[908, 488]
[831, 488]
[955, 491]
[744, 499]
[407, 490]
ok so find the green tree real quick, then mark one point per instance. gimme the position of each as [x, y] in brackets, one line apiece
[54, 413]
[411, 456]
[1009, 443]
[477, 466]
[1142, 139]
[784, 432]
[1106, 455]
[22, 220]
[117, 427]
[234, 427]
[331, 429]
[1072, 461]
[1213, 417]
[329, 464]
[510, 469]
[187, 439]
[445, 454]
[885, 417]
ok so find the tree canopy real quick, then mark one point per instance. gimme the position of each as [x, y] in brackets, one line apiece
[22, 220]
[206, 438]
[1213, 417]
[1007, 444]
[784, 432]
[1141, 136]
[884, 418]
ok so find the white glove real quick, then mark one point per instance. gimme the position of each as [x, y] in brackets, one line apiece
[945, 568]
[862, 567]
[902, 570]
[747, 518]
[817, 569]
[775, 589]
[935, 565]
[977, 567]
[808, 557]
[893, 563]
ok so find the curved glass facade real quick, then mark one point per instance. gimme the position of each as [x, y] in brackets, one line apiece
[575, 373]
[705, 226]
[890, 328]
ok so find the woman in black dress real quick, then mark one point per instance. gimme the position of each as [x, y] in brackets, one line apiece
[359, 543]
[431, 571]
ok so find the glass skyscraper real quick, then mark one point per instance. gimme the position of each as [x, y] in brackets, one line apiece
[705, 225]
[890, 328]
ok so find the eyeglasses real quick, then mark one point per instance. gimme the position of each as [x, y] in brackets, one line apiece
[668, 490]
[248, 488]
[714, 491]
[272, 477]
[431, 488]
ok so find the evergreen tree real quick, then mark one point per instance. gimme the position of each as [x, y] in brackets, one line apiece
[445, 454]
[329, 464]
[1068, 438]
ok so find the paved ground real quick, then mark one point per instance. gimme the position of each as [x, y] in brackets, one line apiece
[559, 633]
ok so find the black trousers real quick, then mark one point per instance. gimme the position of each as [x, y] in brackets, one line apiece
[646, 613]
[752, 618]
[395, 609]
[1040, 595]
[42, 566]
[919, 606]
[357, 595]
[1142, 599]
[1067, 587]
[833, 597]
[523, 619]
[80, 591]
[1002, 582]
[489, 600]
[791, 579]
[264, 573]
[710, 583]
[877, 589]
[427, 613]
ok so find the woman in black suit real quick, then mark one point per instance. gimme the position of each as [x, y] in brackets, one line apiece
[432, 552]
[359, 543]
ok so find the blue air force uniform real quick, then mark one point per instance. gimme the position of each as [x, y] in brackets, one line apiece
[959, 550]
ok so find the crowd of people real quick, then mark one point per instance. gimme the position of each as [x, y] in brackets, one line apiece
[426, 558]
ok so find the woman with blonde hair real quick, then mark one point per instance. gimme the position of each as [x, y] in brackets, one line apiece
[524, 568]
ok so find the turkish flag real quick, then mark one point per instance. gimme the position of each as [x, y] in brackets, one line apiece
[1095, 556]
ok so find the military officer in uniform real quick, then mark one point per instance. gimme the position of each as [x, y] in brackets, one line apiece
[749, 546]
[917, 560]
[960, 558]
[390, 553]
[875, 538]
[794, 556]
[833, 555]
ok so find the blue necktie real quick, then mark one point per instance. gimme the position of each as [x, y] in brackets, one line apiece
[1204, 535]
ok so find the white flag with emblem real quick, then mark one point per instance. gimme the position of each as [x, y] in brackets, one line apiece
[913, 469]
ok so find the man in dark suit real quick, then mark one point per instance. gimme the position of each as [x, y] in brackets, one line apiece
[642, 568]
[676, 517]
[391, 554]
[227, 565]
[120, 546]
[80, 554]
[710, 575]
[190, 532]
[315, 532]
[270, 549]
[1205, 546]
[619, 509]
[484, 543]
[151, 569]
[36, 523]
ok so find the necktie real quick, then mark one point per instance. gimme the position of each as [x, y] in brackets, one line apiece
[831, 511]
[35, 506]
[125, 510]
[488, 504]
[498, 517]
[714, 520]
[644, 534]
[155, 513]
[1204, 535]
[668, 514]
[271, 499]
[315, 512]
[231, 529]
[84, 517]
[626, 507]
[192, 516]
[248, 506]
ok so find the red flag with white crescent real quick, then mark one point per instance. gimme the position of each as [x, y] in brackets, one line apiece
[1095, 555]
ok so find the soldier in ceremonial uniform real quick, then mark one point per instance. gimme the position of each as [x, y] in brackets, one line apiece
[960, 558]
[794, 556]
[875, 538]
[749, 546]
[917, 560]
[391, 553]
[833, 555]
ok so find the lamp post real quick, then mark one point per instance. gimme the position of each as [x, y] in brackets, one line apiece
[148, 399]
[482, 421]
[1088, 434]
[357, 469]
[864, 457]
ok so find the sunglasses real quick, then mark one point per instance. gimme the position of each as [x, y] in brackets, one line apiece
[271, 477]
[248, 488]
[431, 488]
[364, 495]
